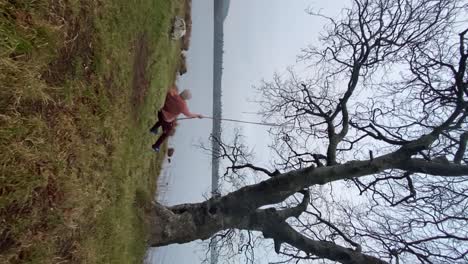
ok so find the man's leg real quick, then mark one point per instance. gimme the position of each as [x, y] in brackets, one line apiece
[167, 128]
[154, 129]
[160, 140]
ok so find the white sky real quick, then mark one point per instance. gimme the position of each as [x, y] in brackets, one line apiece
[260, 37]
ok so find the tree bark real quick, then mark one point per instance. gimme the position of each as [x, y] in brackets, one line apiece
[183, 224]
[189, 222]
[284, 233]
[240, 209]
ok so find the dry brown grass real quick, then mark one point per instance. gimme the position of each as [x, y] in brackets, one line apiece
[40, 139]
[75, 164]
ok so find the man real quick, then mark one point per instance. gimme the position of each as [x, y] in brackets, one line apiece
[175, 104]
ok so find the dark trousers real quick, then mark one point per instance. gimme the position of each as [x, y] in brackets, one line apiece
[166, 128]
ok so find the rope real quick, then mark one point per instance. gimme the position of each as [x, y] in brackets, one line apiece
[237, 121]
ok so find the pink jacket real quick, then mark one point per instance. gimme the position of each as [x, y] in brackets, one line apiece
[174, 106]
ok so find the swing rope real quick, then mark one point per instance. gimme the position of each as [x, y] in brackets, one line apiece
[237, 121]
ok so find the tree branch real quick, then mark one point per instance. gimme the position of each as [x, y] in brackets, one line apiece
[433, 168]
[336, 229]
[255, 168]
[461, 149]
[297, 210]
[284, 233]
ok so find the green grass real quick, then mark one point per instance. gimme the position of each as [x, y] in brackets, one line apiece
[76, 168]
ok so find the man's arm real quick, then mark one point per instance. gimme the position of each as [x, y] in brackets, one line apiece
[173, 90]
[193, 115]
[189, 114]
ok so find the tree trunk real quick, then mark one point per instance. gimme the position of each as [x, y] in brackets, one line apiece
[182, 224]
[240, 209]
[190, 222]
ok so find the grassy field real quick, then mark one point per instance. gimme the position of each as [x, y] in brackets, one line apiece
[81, 81]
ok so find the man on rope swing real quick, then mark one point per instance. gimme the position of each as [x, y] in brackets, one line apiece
[175, 104]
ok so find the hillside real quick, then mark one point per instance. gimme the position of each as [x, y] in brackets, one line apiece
[81, 84]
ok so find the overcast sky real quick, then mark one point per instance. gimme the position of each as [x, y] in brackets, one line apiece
[260, 37]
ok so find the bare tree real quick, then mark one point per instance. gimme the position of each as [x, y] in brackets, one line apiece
[371, 162]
